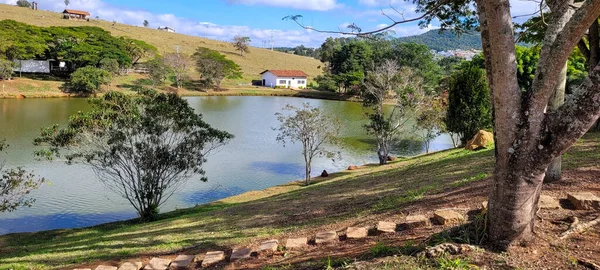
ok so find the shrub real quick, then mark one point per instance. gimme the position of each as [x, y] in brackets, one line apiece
[88, 80]
[469, 108]
[6, 69]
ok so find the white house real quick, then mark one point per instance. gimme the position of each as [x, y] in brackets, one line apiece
[166, 28]
[284, 78]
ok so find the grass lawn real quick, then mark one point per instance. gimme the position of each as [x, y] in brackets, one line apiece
[352, 197]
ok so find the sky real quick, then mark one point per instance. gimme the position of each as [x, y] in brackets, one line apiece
[261, 20]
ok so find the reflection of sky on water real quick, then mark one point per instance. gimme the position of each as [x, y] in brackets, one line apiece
[253, 160]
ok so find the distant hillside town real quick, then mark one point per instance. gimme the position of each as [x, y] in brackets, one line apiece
[465, 54]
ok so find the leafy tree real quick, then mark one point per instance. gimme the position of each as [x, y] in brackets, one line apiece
[180, 64]
[469, 108]
[6, 69]
[146, 23]
[241, 44]
[15, 185]
[138, 49]
[403, 88]
[158, 71]
[110, 65]
[21, 41]
[214, 67]
[449, 64]
[23, 3]
[142, 147]
[419, 58]
[88, 80]
[310, 127]
[431, 120]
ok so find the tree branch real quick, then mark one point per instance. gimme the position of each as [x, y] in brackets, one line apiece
[583, 48]
[296, 18]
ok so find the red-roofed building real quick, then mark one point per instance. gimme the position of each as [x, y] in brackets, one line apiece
[296, 79]
[71, 14]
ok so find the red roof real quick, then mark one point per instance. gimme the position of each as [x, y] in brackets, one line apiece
[287, 73]
[76, 12]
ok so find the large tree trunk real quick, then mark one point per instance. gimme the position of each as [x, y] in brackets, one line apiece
[528, 139]
[554, 171]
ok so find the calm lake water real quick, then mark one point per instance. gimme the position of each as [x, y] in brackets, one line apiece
[251, 161]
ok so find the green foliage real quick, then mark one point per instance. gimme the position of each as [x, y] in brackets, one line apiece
[158, 71]
[79, 46]
[143, 147]
[449, 64]
[394, 201]
[383, 250]
[214, 67]
[527, 59]
[420, 59]
[110, 65]
[465, 181]
[431, 120]
[88, 80]
[6, 69]
[446, 40]
[469, 108]
[445, 263]
[310, 127]
[15, 185]
[301, 50]
[23, 3]
[326, 83]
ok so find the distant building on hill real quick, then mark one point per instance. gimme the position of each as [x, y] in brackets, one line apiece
[166, 28]
[71, 14]
[284, 78]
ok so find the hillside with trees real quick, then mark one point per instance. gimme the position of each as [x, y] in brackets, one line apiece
[446, 40]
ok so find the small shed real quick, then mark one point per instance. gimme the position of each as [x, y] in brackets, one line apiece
[284, 78]
[71, 14]
[167, 29]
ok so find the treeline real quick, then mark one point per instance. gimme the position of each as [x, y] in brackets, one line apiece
[77, 46]
[301, 50]
[444, 41]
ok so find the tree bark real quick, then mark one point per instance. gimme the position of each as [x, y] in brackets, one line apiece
[594, 43]
[554, 171]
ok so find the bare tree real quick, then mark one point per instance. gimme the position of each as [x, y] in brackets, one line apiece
[15, 185]
[403, 89]
[310, 127]
[180, 64]
[241, 44]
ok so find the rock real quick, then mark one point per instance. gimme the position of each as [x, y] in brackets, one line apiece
[268, 246]
[131, 266]
[390, 158]
[296, 242]
[352, 168]
[357, 232]
[584, 201]
[106, 267]
[547, 202]
[415, 222]
[446, 217]
[212, 258]
[386, 227]
[240, 254]
[447, 248]
[183, 262]
[158, 264]
[324, 174]
[482, 139]
[324, 237]
[484, 205]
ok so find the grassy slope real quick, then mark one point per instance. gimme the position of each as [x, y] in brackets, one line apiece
[252, 64]
[359, 197]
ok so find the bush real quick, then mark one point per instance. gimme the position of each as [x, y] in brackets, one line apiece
[88, 80]
[6, 69]
[326, 83]
[469, 108]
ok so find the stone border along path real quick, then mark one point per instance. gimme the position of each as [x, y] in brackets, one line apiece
[580, 200]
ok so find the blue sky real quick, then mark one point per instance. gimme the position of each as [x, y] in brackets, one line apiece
[258, 19]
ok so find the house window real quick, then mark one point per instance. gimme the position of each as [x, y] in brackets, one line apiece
[301, 82]
[282, 82]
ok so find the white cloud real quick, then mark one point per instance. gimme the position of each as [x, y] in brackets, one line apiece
[105, 11]
[320, 5]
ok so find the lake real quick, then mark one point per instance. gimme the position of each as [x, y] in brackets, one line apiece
[253, 160]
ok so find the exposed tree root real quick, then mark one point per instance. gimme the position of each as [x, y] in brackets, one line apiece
[589, 264]
[577, 227]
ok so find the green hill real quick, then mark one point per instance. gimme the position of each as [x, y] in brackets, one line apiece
[446, 40]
